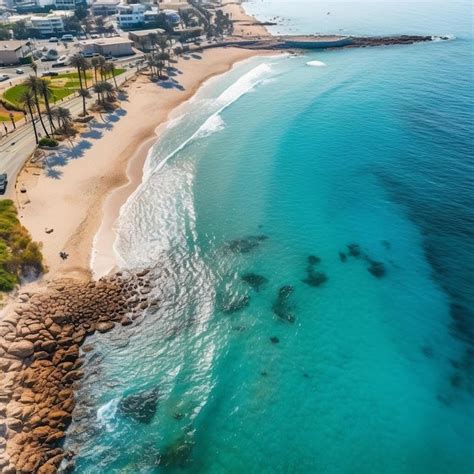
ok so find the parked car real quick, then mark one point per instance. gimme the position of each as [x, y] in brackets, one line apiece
[50, 73]
[4, 77]
[19, 71]
[53, 39]
[3, 183]
[67, 38]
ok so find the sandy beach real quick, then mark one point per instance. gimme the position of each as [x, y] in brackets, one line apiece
[69, 198]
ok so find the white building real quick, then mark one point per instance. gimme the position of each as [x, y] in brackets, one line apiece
[131, 15]
[51, 24]
[105, 7]
[66, 4]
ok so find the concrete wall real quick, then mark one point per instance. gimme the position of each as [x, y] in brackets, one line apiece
[9, 57]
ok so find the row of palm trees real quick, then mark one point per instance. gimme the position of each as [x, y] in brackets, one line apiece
[160, 55]
[100, 66]
[58, 119]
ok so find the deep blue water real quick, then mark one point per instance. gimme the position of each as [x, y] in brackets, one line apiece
[273, 163]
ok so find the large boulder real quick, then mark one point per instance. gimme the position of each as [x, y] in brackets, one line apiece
[140, 406]
[21, 349]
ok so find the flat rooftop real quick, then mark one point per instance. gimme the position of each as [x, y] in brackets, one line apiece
[11, 45]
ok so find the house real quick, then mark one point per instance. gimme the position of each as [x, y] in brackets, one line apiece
[105, 7]
[131, 15]
[50, 24]
[141, 38]
[116, 47]
[67, 4]
[11, 52]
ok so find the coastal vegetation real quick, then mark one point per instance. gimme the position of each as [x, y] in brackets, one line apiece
[62, 85]
[20, 257]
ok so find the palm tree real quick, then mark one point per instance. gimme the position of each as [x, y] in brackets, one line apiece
[163, 42]
[109, 68]
[46, 92]
[34, 66]
[32, 85]
[64, 116]
[86, 65]
[85, 94]
[100, 89]
[102, 62]
[95, 64]
[28, 100]
[187, 17]
[78, 61]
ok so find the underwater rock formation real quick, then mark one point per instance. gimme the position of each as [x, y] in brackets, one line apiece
[254, 280]
[246, 244]
[342, 257]
[282, 306]
[377, 269]
[354, 250]
[141, 406]
[274, 340]
[178, 454]
[229, 304]
[313, 260]
[315, 279]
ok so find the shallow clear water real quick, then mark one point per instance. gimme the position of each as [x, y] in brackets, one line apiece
[276, 161]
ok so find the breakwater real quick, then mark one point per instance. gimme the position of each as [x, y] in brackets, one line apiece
[314, 42]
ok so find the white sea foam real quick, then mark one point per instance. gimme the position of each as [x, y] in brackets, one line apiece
[242, 86]
[213, 124]
[316, 64]
[443, 38]
[106, 414]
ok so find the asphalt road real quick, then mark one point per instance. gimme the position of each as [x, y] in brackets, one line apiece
[18, 146]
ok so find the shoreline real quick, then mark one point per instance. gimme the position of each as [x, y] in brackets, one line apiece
[104, 258]
[105, 166]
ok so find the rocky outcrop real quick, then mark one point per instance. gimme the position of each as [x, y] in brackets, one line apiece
[40, 361]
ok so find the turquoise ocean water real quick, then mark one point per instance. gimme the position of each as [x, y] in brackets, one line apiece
[275, 163]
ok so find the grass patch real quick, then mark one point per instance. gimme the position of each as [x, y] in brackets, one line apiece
[62, 85]
[19, 255]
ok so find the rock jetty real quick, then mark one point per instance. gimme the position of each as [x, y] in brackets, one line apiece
[40, 362]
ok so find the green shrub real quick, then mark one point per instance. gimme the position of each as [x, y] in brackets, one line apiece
[19, 255]
[45, 141]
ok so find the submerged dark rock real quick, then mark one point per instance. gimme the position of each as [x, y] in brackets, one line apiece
[377, 269]
[315, 279]
[234, 304]
[274, 340]
[140, 406]
[428, 351]
[247, 244]
[178, 454]
[342, 257]
[282, 307]
[386, 244]
[354, 250]
[285, 291]
[254, 280]
[313, 260]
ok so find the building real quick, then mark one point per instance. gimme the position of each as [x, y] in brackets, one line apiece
[108, 47]
[172, 17]
[67, 4]
[141, 38]
[49, 25]
[105, 7]
[131, 15]
[11, 52]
